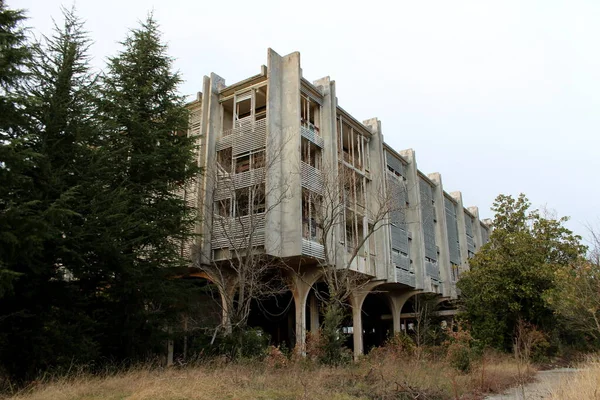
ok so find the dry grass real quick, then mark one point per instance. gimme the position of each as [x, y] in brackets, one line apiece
[388, 376]
[581, 385]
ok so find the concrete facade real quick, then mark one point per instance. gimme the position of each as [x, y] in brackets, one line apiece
[271, 143]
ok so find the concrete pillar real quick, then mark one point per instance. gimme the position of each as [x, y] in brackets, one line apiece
[301, 284]
[462, 230]
[377, 195]
[476, 228]
[330, 162]
[414, 217]
[356, 301]
[314, 315]
[441, 233]
[211, 131]
[397, 301]
[284, 197]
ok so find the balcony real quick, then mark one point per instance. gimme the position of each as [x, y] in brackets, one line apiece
[405, 277]
[312, 178]
[312, 249]
[248, 135]
[236, 233]
[432, 269]
[311, 132]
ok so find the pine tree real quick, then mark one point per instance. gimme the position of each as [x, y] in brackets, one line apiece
[14, 154]
[151, 159]
[45, 323]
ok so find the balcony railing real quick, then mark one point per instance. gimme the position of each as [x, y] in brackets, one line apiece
[432, 269]
[247, 135]
[311, 132]
[405, 277]
[313, 249]
[236, 233]
[312, 178]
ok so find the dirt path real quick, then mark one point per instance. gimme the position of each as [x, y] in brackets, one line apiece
[537, 390]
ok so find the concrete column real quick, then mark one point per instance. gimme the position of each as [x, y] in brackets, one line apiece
[211, 131]
[414, 217]
[397, 301]
[462, 230]
[330, 160]
[301, 284]
[314, 315]
[356, 301]
[377, 195]
[441, 233]
[476, 228]
[282, 232]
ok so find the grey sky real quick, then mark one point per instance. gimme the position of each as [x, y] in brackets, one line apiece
[497, 96]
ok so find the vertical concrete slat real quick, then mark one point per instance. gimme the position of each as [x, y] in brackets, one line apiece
[417, 249]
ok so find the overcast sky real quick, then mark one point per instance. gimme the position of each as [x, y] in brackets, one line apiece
[498, 96]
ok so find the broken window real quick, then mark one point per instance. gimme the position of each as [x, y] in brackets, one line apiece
[243, 108]
[311, 153]
[242, 163]
[310, 221]
[258, 199]
[258, 159]
[310, 112]
[242, 202]
[224, 208]
[224, 160]
[352, 145]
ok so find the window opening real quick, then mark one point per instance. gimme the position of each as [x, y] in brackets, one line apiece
[224, 208]
[258, 199]
[242, 163]
[242, 202]
[224, 160]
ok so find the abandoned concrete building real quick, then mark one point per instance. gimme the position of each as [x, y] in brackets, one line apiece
[273, 147]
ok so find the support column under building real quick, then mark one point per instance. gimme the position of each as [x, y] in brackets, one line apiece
[301, 283]
[397, 301]
[314, 315]
[356, 301]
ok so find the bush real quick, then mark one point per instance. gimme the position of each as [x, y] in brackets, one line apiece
[331, 341]
[459, 353]
[248, 343]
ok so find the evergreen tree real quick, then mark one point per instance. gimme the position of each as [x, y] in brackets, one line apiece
[45, 322]
[510, 275]
[151, 159]
[15, 157]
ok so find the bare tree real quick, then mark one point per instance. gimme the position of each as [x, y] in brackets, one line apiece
[241, 202]
[344, 216]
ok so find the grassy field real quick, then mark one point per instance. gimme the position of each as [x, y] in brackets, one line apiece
[383, 375]
[581, 385]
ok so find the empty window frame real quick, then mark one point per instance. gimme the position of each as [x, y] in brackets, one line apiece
[244, 107]
[242, 202]
[311, 228]
[223, 208]
[250, 200]
[249, 160]
[352, 146]
[224, 160]
[310, 113]
[311, 153]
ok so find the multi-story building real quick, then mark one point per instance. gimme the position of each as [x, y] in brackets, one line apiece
[278, 150]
